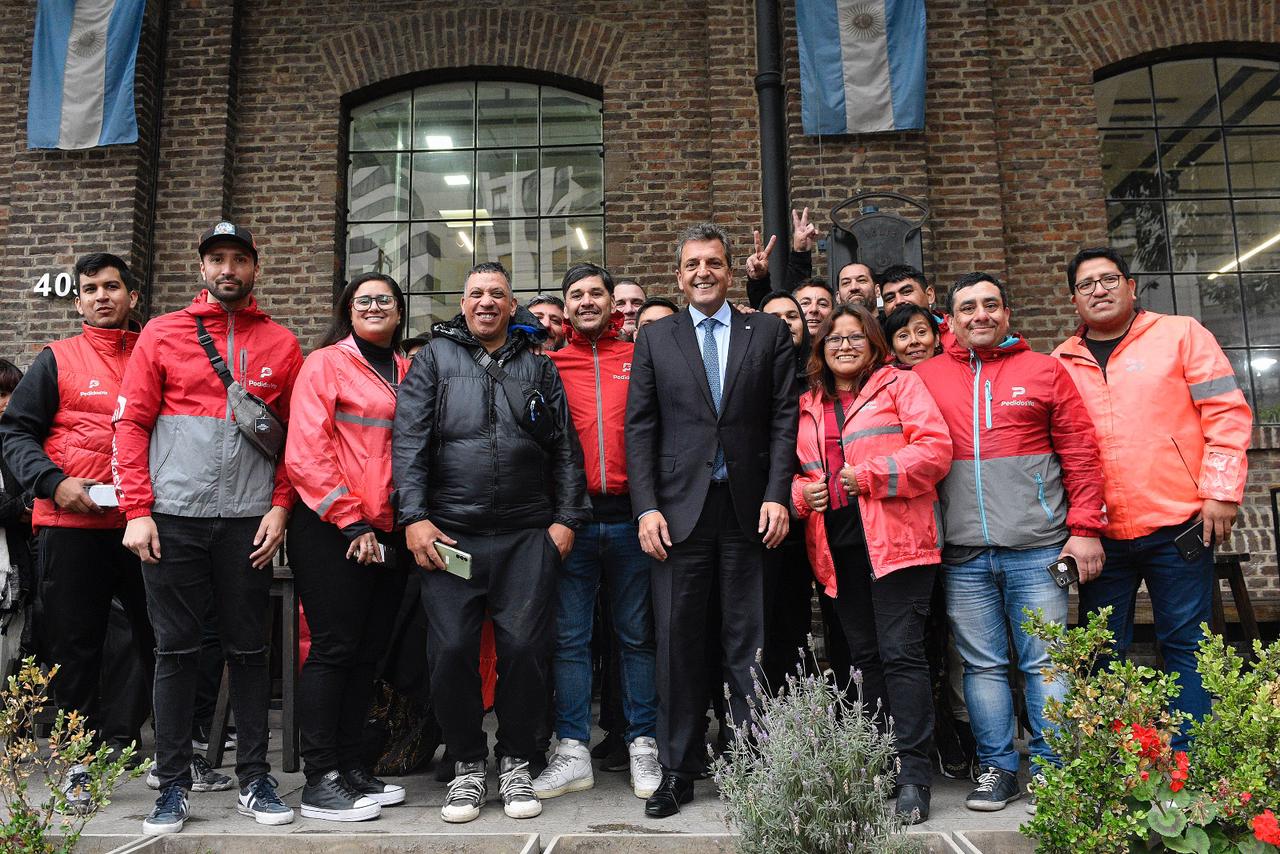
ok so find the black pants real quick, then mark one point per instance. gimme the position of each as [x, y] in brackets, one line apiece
[834, 641]
[682, 585]
[514, 578]
[81, 571]
[205, 562]
[788, 609]
[884, 622]
[350, 610]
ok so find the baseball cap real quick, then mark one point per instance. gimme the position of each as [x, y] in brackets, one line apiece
[228, 231]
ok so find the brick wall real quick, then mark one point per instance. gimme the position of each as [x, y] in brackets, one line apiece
[250, 107]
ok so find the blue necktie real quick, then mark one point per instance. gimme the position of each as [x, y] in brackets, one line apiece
[711, 363]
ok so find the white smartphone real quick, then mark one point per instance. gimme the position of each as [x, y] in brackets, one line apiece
[104, 495]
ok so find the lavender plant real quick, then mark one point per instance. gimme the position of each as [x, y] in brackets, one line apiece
[812, 772]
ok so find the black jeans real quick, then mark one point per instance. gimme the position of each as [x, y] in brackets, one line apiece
[351, 610]
[204, 562]
[82, 570]
[717, 550]
[514, 579]
[884, 621]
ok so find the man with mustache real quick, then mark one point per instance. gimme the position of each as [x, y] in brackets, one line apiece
[207, 509]
[56, 434]
[596, 370]
[1174, 427]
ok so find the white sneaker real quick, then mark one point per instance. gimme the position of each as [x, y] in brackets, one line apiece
[568, 771]
[646, 773]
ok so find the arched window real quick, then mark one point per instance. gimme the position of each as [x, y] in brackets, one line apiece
[444, 176]
[1191, 166]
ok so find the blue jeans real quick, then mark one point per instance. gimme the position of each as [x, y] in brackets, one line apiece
[985, 598]
[1181, 599]
[610, 550]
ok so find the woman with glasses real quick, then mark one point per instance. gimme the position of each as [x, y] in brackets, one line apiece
[348, 560]
[872, 446]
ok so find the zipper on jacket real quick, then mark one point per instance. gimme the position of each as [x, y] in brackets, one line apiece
[227, 427]
[493, 439]
[595, 360]
[1044, 505]
[987, 399]
[975, 364]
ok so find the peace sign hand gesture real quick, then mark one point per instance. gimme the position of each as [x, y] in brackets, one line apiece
[804, 234]
[758, 261]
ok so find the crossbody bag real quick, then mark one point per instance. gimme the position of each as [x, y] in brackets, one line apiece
[257, 423]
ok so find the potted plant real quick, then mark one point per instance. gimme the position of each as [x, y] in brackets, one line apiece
[1121, 787]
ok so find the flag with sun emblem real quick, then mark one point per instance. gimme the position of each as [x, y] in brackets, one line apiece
[82, 66]
[861, 65]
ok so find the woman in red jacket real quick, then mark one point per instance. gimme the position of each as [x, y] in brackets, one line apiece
[872, 445]
[338, 455]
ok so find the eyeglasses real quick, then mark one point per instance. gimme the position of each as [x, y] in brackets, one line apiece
[1109, 282]
[834, 342]
[364, 303]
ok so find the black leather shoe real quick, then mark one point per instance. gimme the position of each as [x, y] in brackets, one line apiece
[913, 803]
[670, 794]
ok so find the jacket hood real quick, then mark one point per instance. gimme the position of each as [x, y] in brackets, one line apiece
[1014, 343]
[108, 338]
[524, 332]
[613, 330]
[204, 305]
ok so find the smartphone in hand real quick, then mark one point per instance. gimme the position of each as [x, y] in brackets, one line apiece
[104, 495]
[1064, 572]
[456, 561]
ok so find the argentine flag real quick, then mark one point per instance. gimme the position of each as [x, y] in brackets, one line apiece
[861, 65]
[82, 73]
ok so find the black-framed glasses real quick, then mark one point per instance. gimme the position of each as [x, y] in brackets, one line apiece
[1109, 282]
[834, 342]
[365, 301]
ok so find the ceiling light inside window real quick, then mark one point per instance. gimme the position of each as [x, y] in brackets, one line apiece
[464, 240]
[457, 180]
[582, 237]
[439, 141]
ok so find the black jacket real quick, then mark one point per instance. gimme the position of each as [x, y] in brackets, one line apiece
[458, 456]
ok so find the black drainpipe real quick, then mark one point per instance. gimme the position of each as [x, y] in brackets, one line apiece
[773, 136]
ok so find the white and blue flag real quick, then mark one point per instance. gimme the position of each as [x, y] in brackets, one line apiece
[82, 69]
[861, 65]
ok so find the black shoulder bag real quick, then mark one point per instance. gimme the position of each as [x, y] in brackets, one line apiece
[528, 405]
[253, 416]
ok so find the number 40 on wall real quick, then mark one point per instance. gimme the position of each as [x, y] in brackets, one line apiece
[50, 285]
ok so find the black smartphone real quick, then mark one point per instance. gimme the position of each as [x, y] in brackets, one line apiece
[1190, 542]
[1064, 571]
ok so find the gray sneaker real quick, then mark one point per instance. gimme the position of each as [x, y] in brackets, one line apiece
[78, 799]
[203, 777]
[466, 794]
[996, 788]
[260, 802]
[516, 787]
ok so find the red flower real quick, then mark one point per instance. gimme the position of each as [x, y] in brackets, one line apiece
[1266, 828]
[1245, 797]
[1144, 775]
[1148, 739]
[1117, 725]
[1175, 785]
[1179, 775]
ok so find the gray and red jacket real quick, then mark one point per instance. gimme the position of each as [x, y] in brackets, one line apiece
[1025, 471]
[177, 447]
[58, 422]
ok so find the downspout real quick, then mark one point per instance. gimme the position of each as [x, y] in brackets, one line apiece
[774, 197]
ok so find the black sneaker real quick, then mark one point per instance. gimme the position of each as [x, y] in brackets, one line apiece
[618, 759]
[332, 798]
[386, 794]
[912, 803]
[203, 777]
[260, 802]
[610, 744]
[466, 794]
[170, 813]
[996, 788]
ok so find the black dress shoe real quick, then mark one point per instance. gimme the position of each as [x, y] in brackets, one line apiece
[913, 803]
[670, 794]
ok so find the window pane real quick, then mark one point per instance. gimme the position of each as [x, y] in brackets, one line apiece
[378, 187]
[507, 115]
[1192, 162]
[1200, 233]
[1156, 294]
[572, 181]
[427, 310]
[440, 255]
[1254, 160]
[376, 248]
[1258, 232]
[442, 185]
[515, 244]
[1250, 91]
[1124, 100]
[507, 182]
[444, 116]
[1262, 307]
[1185, 93]
[381, 124]
[1136, 230]
[1215, 303]
[1129, 164]
[1265, 365]
[568, 118]
[566, 242]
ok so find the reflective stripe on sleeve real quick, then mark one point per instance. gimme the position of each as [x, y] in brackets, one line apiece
[352, 418]
[1213, 387]
[337, 493]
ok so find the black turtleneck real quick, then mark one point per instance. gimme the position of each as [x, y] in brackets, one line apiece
[381, 358]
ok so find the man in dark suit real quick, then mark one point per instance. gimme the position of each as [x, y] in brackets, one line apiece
[711, 434]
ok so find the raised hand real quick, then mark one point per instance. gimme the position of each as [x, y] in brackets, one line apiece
[804, 234]
[758, 261]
